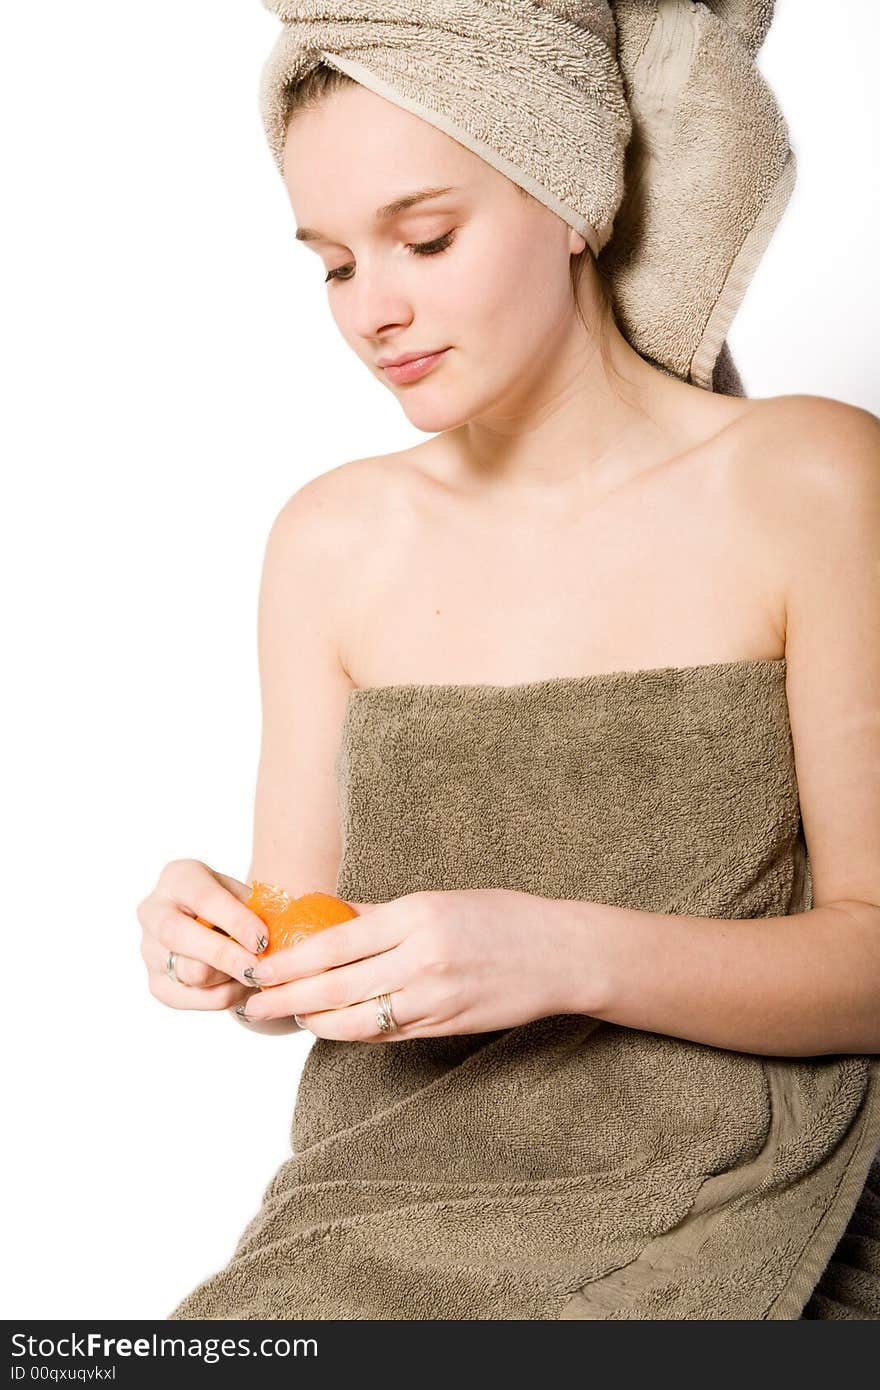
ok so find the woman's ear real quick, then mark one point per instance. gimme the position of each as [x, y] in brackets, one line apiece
[576, 242]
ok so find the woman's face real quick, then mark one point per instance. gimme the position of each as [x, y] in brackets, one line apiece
[479, 273]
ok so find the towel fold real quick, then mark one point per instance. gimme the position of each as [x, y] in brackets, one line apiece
[570, 1168]
[644, 124]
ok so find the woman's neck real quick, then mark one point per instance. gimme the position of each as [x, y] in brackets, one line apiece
[589, 423]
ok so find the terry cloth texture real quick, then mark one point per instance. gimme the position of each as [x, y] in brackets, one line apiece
[570, 1168]
[644, 124]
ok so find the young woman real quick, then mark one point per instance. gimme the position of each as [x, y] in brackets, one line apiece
[578, 514]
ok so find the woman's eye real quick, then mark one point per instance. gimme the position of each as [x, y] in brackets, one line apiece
[419, 248]
[337, 274]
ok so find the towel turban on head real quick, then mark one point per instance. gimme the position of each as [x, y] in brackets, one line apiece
[644, 124]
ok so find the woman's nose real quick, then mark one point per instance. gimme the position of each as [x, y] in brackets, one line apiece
[378, 304]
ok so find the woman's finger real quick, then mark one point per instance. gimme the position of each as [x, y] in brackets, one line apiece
[188, 970]
[332, 990]
[345, 943]
[203, 892]
[179, 996]
[174, 930]
[360, 1023]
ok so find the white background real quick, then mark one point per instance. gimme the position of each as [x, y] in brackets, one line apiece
[171, 376]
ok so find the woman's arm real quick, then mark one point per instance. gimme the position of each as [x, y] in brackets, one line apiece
[807, 983]
[795, 986]
[304, 689]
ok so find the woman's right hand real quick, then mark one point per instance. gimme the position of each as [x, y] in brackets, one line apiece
[209, 966]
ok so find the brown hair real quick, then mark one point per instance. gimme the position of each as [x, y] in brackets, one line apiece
[324, 79]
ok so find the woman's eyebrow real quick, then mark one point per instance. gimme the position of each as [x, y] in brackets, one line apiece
[382, 214]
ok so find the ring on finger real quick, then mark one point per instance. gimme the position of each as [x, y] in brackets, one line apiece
[171, 968]
[385, 1020]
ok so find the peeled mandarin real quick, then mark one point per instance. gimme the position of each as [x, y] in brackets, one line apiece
[313, 912]
[288, 919]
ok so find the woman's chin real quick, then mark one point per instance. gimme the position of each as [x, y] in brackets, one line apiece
[437, 423]
[434, 417]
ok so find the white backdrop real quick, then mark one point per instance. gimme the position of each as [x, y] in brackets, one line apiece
[172, 375]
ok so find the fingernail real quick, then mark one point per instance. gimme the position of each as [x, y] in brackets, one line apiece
[240, 1010]
[251, 977]
[262, 944]
[297, 1019]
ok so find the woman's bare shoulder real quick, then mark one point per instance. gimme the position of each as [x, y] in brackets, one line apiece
[338, 504]
[805, 431]
[792, 461]
[792, 453]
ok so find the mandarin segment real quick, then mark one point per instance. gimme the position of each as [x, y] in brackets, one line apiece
[268, 901]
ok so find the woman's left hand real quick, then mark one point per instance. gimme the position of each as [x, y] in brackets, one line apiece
[464, 961]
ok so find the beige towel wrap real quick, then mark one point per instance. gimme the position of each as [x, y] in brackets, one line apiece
[570, 1168]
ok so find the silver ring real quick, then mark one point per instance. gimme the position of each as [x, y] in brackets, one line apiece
[171, 968]
[385, 1020]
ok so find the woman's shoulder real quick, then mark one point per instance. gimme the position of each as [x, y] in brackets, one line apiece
[796, 466]
[796, 452]
[806, 431]
[342, 499]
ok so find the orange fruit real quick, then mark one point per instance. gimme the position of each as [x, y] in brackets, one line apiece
[302, 917]
[288, 919]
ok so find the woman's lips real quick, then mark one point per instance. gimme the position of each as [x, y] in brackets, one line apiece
[412, 371]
